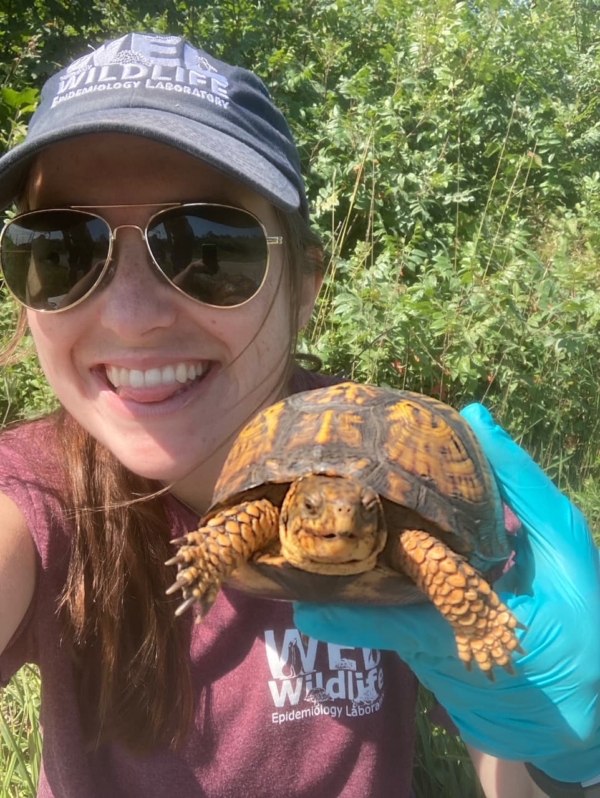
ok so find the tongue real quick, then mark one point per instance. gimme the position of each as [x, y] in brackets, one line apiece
[156, 394]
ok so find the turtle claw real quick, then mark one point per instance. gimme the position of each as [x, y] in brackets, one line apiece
[200, 593]
[179, 541]
[490, 646]
[173, 589]
[489, 674]
[199, 583]
[184, 607]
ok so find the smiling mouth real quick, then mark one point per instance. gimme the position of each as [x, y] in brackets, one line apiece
[155, 384]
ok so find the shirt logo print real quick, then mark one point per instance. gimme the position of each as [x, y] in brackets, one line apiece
[311, 678]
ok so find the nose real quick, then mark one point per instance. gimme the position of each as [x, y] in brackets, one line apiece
[135, 300]
[347, 517]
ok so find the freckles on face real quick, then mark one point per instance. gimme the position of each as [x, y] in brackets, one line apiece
[162, 381]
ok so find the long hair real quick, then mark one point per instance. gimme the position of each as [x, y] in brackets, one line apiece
[130, 655]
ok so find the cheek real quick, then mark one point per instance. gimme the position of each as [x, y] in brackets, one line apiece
[45, 336]
[263, 326]
[274, 336]
[52, 338]
[280, 311]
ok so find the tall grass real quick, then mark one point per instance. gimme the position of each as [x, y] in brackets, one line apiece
[442, 768]
[20, 738]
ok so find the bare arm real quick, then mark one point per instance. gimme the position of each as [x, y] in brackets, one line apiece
[502, 779]
[17, 569]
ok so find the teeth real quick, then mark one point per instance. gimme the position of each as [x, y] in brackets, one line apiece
[168, 375]
[136, 378]
[152, 378]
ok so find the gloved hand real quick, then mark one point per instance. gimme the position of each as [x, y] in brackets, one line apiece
[548, 713]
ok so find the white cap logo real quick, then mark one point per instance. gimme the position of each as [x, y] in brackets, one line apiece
[137, 60]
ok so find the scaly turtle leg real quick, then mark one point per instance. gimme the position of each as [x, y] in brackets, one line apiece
[483, 625]
[210, 554]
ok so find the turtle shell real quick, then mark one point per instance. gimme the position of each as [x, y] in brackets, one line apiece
[417, 453]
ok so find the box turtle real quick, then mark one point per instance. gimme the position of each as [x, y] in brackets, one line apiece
[358, 494]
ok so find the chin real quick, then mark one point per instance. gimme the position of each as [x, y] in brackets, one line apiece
[166, 474]
[160, 467]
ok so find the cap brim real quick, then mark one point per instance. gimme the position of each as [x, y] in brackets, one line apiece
[218, 148]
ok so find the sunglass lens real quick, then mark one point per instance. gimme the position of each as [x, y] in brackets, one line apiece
[216, 255]
[51, 259]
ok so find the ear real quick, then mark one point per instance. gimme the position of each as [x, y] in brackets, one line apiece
[311, 285]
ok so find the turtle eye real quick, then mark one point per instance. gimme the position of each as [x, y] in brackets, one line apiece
[309, 505]
[312, 504]
[369, 500]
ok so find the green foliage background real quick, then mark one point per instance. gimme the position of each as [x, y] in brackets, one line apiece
[452, 158]
[451, 152]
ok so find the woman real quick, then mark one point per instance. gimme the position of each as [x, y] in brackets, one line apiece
[164, 263]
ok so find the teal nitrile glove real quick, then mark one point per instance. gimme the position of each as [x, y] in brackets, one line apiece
[548, 713]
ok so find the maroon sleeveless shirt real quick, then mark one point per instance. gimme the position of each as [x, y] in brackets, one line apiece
[279, 714]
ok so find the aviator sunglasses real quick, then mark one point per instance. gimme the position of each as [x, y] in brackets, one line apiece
[215, 254]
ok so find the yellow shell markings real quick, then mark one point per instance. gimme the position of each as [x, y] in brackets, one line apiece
[344, 428]
[321, 428]
[260, 434]
[440, 455]
[347, 392]
[397, 485]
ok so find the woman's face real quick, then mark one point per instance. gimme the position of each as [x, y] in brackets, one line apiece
[171, 431]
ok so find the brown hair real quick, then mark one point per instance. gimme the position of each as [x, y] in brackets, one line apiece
[130, 653]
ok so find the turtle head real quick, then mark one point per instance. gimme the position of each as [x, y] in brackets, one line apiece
[331, 525]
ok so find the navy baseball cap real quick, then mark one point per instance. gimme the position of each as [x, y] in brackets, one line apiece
[163, 88]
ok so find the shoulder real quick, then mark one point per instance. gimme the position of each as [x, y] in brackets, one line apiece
[31, 477]
[30, 441]
[17, 569]
[30, 453]
[304, 380]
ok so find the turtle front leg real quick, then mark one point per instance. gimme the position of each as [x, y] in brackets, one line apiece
[209, 555]
[483, 625]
